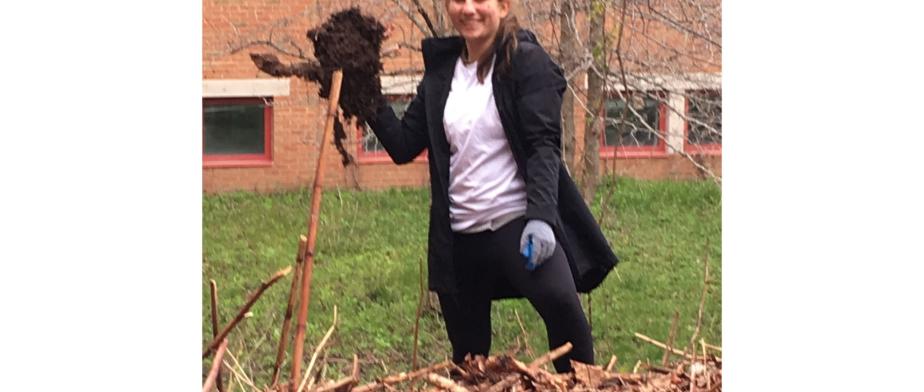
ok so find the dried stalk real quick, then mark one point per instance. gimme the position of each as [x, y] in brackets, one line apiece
[240, 314]
[662, 345]
[213, 287]
[317, 350]
[240, 373]
[609, 366]
[551, 356]
[216, 366]
[529, 350]
[283, 339]
[711, 347]
[445, 383]
[702, 301]
[670, 339]
[313, 230]
[420, 302]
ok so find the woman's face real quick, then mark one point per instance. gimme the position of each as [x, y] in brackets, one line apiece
[477, 20]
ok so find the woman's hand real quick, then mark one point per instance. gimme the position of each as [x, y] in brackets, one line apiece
[537, 243]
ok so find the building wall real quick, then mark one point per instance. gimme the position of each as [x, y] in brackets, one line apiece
[299, 114]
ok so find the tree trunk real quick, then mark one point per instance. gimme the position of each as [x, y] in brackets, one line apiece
[567, 47]
[595, 100]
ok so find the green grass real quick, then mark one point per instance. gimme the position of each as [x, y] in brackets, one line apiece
[369, 248]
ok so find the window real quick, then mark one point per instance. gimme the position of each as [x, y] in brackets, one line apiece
[704, 122]
[636, 129]
[370, 148]
[237, 132]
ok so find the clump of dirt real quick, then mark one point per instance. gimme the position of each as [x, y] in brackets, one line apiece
[352, 42]
[349, 41]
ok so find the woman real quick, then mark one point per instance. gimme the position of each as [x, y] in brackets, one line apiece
[506, 220]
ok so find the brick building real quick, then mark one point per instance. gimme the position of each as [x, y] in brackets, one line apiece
[262, 133]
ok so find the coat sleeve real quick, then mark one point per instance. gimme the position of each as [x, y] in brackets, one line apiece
[403, 139]
[539, 88]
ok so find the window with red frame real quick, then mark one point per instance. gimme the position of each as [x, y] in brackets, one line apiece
[370, 146]
[237, 132]
[704, 121]
[636, 129]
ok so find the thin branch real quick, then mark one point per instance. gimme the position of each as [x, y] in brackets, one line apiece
[213, 287]
[240, 314]
[216, 366]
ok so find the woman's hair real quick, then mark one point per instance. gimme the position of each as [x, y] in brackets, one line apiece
[506, 39]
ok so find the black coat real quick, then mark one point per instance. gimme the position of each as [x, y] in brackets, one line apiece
[528, 99]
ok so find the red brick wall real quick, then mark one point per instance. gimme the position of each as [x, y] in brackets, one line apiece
[298, 118]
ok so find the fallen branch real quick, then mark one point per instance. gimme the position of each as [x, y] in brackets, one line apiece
[240, 314]
[216, 366]
[402, 377]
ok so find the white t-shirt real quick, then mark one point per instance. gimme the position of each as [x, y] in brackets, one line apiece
[485, 190]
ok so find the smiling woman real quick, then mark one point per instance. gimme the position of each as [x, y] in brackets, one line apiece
[506, 220]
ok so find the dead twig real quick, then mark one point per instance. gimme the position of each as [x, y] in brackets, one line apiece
[670, 338]
[317, 350]
[529, 350]
[402, 377]
[293, 288]
[240, 373]
[213, 287]
[240, 314]
[609, 366]
[216, 366]
[662, 345]
[444, 383]
[551, 355]
[420, 301]
[702, 300]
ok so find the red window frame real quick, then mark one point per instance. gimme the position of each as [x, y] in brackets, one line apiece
[241, 160]
[702, 149]
[381, 156]
[656, 151]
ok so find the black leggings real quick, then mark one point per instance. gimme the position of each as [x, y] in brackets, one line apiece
[482, 260]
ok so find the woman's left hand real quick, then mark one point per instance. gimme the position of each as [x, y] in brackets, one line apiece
[537, 243]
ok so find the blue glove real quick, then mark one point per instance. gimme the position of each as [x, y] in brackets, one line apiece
[537, 243]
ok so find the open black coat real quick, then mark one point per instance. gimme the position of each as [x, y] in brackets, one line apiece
[528, 99]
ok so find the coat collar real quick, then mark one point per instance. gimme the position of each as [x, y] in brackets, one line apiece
[440, 54]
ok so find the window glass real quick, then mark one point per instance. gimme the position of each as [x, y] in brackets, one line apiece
[233, 129]
[625, 128]
[704, 117]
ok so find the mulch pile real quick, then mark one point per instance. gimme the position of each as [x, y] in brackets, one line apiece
[504, 373]
[350, 41]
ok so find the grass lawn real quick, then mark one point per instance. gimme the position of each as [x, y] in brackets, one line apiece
[369, 248]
